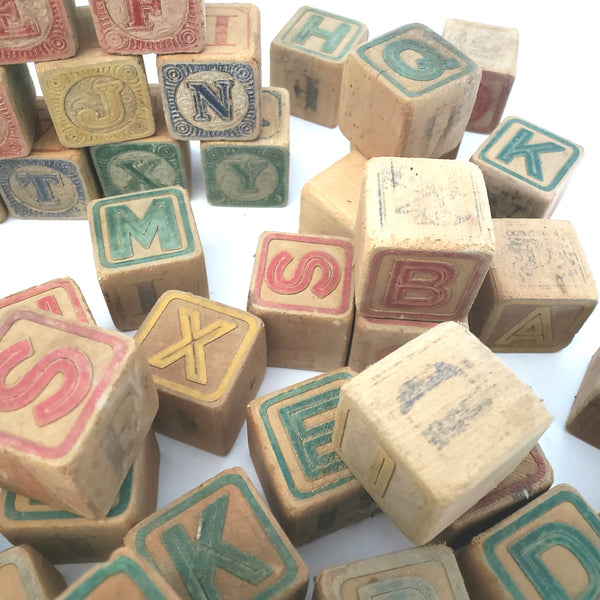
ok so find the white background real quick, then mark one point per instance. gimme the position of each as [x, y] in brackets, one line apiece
[555, 88]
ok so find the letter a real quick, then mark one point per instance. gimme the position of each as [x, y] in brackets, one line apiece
[533, 330]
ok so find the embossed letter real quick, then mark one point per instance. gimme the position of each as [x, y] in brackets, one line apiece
[218, 98]
[429, 67]
[12, 26]
[138, 11]
[332, 38]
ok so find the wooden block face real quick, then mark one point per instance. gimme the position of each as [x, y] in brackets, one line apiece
[3, 211]
[526, 169]
[207, 361]
[220, 540]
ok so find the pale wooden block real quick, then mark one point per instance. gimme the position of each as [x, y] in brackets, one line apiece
[430, 441]
[329, 201]
[392, 106]
[526, 168]
[424, 239]
[539, 290]
[308, 57]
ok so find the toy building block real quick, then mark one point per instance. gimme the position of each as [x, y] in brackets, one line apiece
[539, 290]
[142, 26]
[63, 537]
[424, 239]
[495, 50]
[302, 287]
[548, 549]
[26, 575]
[77, 403]
[430, 441]
[329, 201]
[308, 57]
[308, 487]
[215, 95]
[155, 162]
[526, 169]
[428, 572]
[208, 361]
[37, 31]
[254, 173]
[145, 243]
[95, 97]
[407, 93]
[221, 541]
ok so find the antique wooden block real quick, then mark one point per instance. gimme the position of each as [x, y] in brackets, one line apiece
[37, 31]
[207, 361]
[548, 549]
[308, 487]
[308, 57]
[155, 162]
[142, 26]
[424, 239]
[495, 50]
[539, 290]
[77, 403]
[526, 169]
[215, 95]
[64, 537]
[95, 97]
[430, 441]
[329, 201]
[221, 541]
[254, 173]
[429, 572]
[26, 575]
[302, 287]
[407, 93]
[145, 243]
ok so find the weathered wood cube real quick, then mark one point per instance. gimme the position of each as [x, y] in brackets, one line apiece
[495, 50]
[254, 173]
[407, 93]
[309, 489]
[77, 403]
[430, 441]
[302, 287]
[539, 290]
[63, 537]
[221, 541]
[95, 97]
[526, 169]
[424, 239]
[308, 57]
[142, 26]
[548, 549]
[216, 94]
[145, 243]
[207, 361]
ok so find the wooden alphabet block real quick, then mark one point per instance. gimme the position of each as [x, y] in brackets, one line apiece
[303, 289]
[145, 243]
[407, 93]
[208, 361]
[142, 26]
[77, 404]
[215, 95]
[548, 549]
[221, 541]
[526, 169]
[37, 31]
[424, 239]
[254, 173]
[539, 290]
[95, 97]
[428, 572]
[63, 537]
[329, 201]
[308, 57]
[430, 441]
[495, 50]
[309, 489]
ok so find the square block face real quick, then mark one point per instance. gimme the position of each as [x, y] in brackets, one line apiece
[490, 102]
